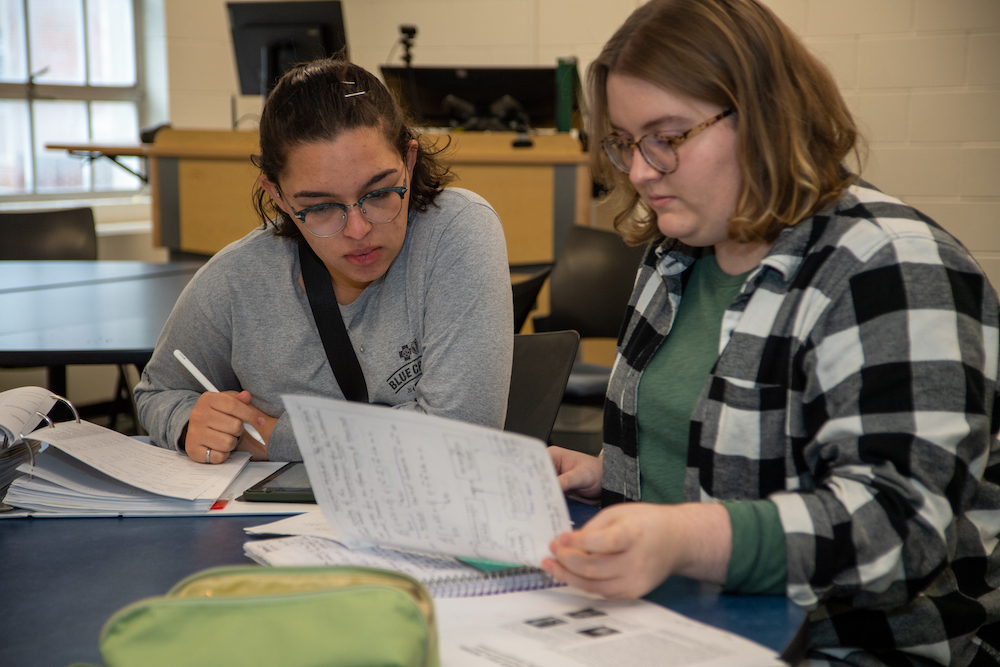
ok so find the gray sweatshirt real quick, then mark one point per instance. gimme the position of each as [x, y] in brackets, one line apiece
[434, 334]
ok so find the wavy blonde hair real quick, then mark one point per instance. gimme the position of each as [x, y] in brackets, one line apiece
[794, 129]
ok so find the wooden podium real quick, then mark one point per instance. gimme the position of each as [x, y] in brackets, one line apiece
[202, 182]
[539, 192]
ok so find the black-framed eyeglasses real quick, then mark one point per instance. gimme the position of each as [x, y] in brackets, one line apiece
[329, 219]
[658, 149]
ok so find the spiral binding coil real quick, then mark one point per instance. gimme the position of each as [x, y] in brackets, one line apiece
[476, 584]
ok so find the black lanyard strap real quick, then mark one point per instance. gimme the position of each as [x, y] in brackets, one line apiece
[333, 333]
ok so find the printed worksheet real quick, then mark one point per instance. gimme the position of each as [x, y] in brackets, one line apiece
[569, 628]
[404, 479]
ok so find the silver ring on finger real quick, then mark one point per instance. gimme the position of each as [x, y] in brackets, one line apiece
[208, 455]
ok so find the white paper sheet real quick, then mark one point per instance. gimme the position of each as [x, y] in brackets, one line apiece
[306, 550]
[19, 410]
[58, 482]
[444, 576]
[156, 505]
[564, 627]
[147, 467]
[409, 480]
[310, 523]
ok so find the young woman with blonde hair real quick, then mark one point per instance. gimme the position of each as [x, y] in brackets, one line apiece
[805, 394]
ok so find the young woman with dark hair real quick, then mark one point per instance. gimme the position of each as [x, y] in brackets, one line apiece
[419, 273]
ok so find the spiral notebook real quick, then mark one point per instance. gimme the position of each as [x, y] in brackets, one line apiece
[444, 576]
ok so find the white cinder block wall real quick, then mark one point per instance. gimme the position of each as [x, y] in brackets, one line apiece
[922, 77]
[923, 80]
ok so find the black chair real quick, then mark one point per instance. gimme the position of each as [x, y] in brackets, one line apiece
[589, 290]
[525, 294]
[65, 234]
[542, 364]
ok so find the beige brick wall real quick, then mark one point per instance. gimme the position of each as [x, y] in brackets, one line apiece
[923, 80]
[922, 77]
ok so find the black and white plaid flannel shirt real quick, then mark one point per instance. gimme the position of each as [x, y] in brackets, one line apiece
[857, 390]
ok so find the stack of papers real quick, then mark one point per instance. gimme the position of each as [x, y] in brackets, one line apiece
[444, 576]
[91, 470]
[21, 411]
[14, 456]
[465, 509]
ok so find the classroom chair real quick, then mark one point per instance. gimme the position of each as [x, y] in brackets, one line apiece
[62, 234]
[525, 294]
[589, 289]
[542, 364]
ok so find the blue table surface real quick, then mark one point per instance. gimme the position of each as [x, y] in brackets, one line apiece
[41, 275]
[60, 579]
[77, 312]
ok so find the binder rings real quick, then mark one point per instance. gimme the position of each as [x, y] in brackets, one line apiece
[21, 411]
[92, 470]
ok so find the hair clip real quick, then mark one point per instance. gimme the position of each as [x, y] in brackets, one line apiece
[355, 94]
[349, 83]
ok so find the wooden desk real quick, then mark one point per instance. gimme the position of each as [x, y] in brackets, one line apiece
[202, 181]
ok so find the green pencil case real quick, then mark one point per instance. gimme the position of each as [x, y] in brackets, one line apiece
[288, 616]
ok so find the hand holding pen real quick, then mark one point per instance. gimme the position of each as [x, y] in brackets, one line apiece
[224, 427]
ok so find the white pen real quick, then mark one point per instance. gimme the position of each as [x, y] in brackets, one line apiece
[207, 384]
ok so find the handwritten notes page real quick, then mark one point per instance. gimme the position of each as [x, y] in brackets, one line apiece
[60, 484]
[147, 467]
[19, 410]
[410, 480]
[563, 627]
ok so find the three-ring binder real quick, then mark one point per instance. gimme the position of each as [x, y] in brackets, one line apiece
[21, 411]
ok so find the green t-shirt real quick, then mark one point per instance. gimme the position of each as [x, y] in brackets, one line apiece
[669, 387]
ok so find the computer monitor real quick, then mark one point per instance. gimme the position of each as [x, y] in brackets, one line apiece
[477, 98]
[270, 37]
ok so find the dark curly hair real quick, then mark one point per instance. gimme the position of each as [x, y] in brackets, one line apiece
[311, 103]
